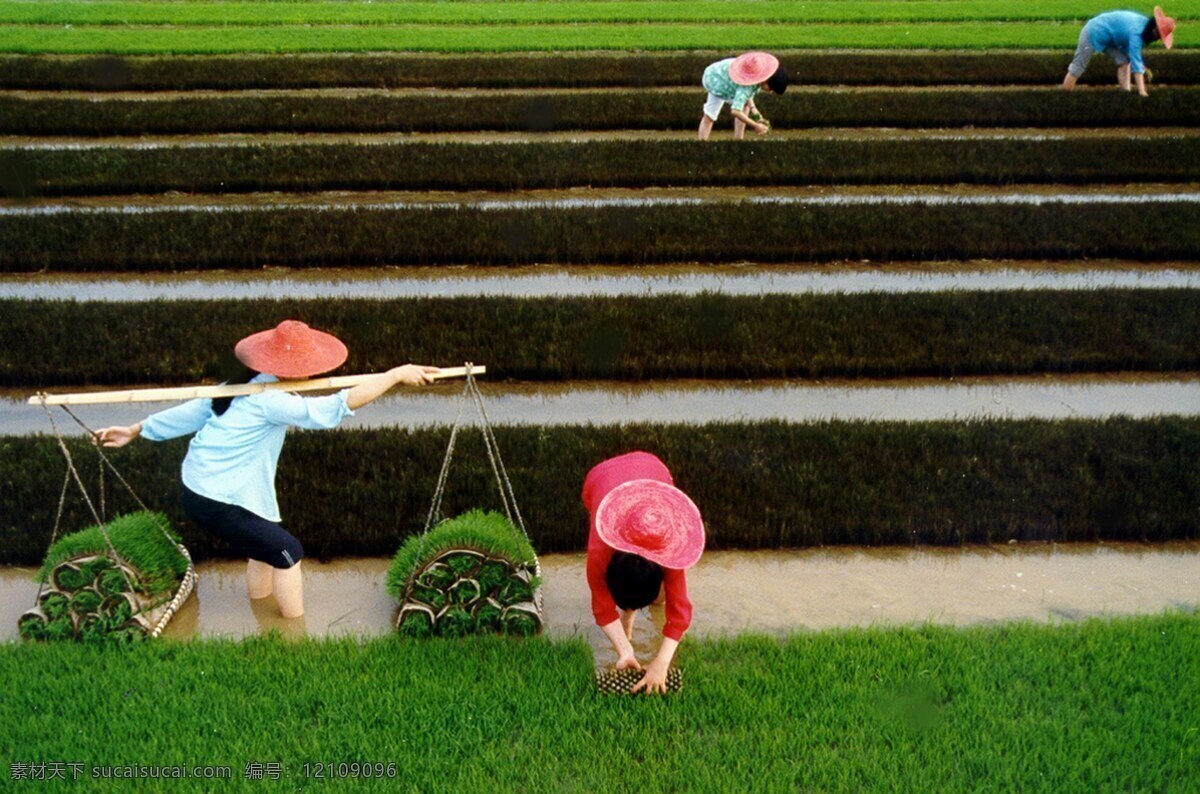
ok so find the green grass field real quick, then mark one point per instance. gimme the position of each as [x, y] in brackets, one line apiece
[1098, 706]
[542, 12]
[498, 25]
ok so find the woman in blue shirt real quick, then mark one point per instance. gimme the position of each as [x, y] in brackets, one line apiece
[228, 476]
[1121, 35]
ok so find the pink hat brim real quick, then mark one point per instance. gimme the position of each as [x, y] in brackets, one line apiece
[676, 536]
[1166, 27]
[291, 350]
[752, 68]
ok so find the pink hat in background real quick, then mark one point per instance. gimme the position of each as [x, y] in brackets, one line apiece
[753, 68]
[653, 520]
[1166, 26]
[291, 350]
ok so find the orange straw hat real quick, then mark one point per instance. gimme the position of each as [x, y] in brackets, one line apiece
[653, 520]
[291, 350]
[1166, 26]
[753, 68]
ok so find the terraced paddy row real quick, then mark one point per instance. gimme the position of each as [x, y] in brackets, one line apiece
[681, 401]
[557, 70]
[537, 281]
[545, 109]
[290, 162]
[170, 232]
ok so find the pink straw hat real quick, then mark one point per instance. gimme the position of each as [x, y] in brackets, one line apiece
[753, 68]
[653, 520]
[291, 350]
[1166, 27]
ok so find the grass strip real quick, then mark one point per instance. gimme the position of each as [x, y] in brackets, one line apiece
[627, 231]
[138, 40]
[497, 13]
[417, 165]
[557, 70]
[759, 485]
[943, 334]
[139, 541]
[1026, 707]
[673, 109]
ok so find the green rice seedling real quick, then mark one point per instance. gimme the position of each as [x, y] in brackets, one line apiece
[428, 595]
[516, 590]
[416, 623]
[34, 624]
[61, 628]
[484, 532]
[69, 577]
[464, 591]
[491, 575]
[487, 616]
[437, 576]
[54, 603]
[93, 628]
[463, 564]
[86, 601]
[119, 608]
[572, 70]
[139, 541]
[521, 621]
[455, 621]
[112, 582]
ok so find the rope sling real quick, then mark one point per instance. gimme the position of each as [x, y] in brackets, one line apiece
[98, 511]
[471, 395]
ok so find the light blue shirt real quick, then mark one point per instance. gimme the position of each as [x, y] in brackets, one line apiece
[717, 82]
[232, 457]
[1121, 30]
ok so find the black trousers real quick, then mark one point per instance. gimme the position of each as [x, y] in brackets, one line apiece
[251, 535]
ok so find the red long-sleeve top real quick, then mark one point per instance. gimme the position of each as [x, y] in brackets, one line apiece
[600, 480]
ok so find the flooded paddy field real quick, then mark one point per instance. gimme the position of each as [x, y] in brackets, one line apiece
[599, 280]
[698, 401]
[733, 592]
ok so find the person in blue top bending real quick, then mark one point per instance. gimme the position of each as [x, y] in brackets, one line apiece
[1121, 35]
[228, 477]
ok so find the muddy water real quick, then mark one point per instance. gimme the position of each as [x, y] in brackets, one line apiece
[767, 591]
[608, 402]
[544, 280]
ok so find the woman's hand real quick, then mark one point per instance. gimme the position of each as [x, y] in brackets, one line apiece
[761, 129]
[414, 374]
[655, 679]
[628, 662]
[117, 436]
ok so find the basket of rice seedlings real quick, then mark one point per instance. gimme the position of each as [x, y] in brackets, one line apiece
[88, 595]
[476, 573]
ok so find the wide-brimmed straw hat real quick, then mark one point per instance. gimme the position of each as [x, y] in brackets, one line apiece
[1166, 26]
[753, 68]
[653, 520]
[291, 350]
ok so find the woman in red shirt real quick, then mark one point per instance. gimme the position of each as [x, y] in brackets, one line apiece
[644, 533]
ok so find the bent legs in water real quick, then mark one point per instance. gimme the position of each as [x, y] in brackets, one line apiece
[287, 584]
[627, 616]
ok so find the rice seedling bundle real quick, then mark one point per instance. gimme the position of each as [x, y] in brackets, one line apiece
[92, 596]
[620, 682]
[474, 574]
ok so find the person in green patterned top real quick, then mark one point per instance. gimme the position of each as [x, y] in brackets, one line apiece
[737, 81]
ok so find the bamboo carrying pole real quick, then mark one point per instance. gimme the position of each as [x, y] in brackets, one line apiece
[233, 390]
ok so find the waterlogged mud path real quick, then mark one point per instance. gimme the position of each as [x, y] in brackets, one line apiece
[697, 402]
[572, 198]
[768, 591]
[597, 280]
